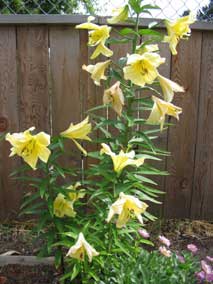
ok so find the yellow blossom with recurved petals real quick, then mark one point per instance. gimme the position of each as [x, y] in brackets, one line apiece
[81, 248]
[97, 37]
[78, 131]
[97, 71]
[114, 95]
[76, 194]
[177, 30]
[126, 207]
[30, 147]
[121, 160]
[141, 69]
[169, 87]
[120, 15]
[160, 110]
[63, 207]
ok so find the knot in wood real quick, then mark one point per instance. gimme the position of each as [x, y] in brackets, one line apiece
[3, 124]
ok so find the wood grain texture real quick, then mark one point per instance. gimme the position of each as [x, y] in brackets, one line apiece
[182, 136]
[25, 260]
[202, 199]
[9, 112]
[33, 77]
[65, 80]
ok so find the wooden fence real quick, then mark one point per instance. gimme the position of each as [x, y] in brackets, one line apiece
[42, 85]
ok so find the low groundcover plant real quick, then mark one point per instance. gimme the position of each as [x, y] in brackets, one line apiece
[90, 219]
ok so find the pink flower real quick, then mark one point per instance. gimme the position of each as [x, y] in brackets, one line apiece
[209, 258]
[206, 268]
[181, 258]
[201, 275]
[192, 248]
[164, 251]
[144, 233]
[209, 277]
[164, 241]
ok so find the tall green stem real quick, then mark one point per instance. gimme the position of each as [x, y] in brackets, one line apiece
[130, 99]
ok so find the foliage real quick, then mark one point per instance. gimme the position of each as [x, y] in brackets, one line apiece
[45, 7]
[152, 268]
[206, 12]
[95, 214]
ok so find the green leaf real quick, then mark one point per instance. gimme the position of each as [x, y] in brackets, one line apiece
[75, 271]
[146, 197]
[94, 276]
[143, 138]
[147, 242]
[114, 73]
[145, 7]
[135, 5]
[28, 198]
[145, 179]
[58, 258]
[32, 209]
[149, 32]
[127, 31]
[97, 108]
[118, 41]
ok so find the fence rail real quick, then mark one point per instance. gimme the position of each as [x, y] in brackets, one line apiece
[42, 84]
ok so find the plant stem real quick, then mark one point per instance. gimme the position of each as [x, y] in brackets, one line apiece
[130, 99]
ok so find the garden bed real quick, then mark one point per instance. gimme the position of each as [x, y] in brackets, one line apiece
[18, 237]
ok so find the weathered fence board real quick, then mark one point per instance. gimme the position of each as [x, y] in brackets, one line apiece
[32, 51]
[182, 136]
[42, 84]
[9, 119]
[65, 81]
[202, 199]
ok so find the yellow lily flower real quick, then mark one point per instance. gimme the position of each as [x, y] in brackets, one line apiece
[81, 247]
[115, 96]
[97, 71]
[97, 37]
[121, 160]
[101, 49]
[30, 147]
[126, 206]
[74, 193]
[147, 48]
[78, 131]
[142, 69]
[159, 111]
[121, 15]
[177, 30]
[63, 207]
[169, 87]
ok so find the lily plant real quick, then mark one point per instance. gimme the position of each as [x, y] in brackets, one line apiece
[90, 216]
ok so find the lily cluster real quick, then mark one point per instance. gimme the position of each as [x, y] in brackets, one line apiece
[141, 67]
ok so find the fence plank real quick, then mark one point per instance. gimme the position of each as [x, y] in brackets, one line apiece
[182, 136]
[33, 77]
[202, 199]
[65, 80]
[9, 120]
